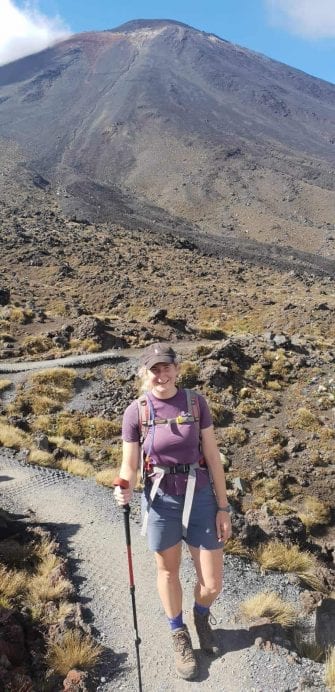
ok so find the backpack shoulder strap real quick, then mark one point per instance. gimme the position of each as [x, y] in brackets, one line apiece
[143, 416]
[193, 407]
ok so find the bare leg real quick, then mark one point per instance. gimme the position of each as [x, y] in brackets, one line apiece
[168, 583]
[209, 569]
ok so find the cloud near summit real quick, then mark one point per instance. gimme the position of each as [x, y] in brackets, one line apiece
[308, 18]
[24, 30]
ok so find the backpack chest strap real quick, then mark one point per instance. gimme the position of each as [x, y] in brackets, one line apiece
[168, 421]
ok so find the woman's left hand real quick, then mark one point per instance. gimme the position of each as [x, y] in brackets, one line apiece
[223, 526]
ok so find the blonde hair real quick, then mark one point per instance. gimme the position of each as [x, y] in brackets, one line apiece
[143, 378]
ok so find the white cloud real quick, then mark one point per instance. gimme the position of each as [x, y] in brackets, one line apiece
[309, 18]
[24, 30]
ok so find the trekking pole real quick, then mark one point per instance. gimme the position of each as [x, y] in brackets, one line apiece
[122, 483]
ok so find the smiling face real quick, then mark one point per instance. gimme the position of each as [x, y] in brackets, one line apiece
[162, 380]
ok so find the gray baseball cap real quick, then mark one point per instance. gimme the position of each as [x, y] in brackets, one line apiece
[157, 353]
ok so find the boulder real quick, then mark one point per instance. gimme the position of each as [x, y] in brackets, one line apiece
[288, 529]
[4, 296]
[157, 315]
[325, 623]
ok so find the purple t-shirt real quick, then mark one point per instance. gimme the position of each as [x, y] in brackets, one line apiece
[170, 443]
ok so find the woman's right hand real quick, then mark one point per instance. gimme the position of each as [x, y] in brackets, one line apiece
[122, 495]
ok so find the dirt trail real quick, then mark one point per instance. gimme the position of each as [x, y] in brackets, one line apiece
[90, 530]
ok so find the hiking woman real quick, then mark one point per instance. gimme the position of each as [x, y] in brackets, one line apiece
[184, 494]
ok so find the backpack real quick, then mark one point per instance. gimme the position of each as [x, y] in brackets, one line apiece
[147, 420]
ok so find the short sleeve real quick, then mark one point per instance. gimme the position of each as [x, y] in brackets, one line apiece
[205, 415]
[130, 427]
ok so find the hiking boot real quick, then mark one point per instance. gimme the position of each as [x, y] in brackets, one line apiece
[205, 632]
[186, 665]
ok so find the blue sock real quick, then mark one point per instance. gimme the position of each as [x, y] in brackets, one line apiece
[202, 610]
[176, 622]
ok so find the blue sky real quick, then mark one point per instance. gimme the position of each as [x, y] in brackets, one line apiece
[300, 33]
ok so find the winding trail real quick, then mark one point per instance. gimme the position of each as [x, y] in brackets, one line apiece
[90, 530]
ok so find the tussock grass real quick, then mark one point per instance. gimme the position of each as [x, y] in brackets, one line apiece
[275, 453]
[12, 583]
[307, 647]
[78, 427]
[273, 436]
[34, 345]
[74, 650]
[249, 408]
[234, 546]
[12, 437]
[62, 443]
[55, 377]
[38, 456]
[106, 477]
[5, 384]
[315, 513]
[267, 489]
[42, 588]
[256, 373]
[188, 375]
[13, 553]
[279, 509]
[278, 556]
[20, 315]
[305, 419]
[330, 670]
[234, 434]
[269, 605]
[77, 467]
[84, 345]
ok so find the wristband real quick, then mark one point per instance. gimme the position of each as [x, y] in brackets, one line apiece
[227, 509]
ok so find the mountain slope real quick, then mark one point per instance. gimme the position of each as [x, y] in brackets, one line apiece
[157, 120]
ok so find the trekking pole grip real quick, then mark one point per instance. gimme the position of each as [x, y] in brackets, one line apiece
[123, 483]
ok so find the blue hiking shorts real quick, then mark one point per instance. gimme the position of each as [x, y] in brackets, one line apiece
[165, 520]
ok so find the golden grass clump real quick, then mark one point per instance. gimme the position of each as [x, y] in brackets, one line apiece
[78, 427]
[279, 509]
[234, 546]
[273, 436]
[267, 489]
[269, 605]
[106, 477]
[188, 375]
[12, 437]
[74, 650]
[315, 513]
[84, 345]
[20, 315]
[234, 434]
[278, 556]
[330, 670]
[74, 449]
[12, 583]
[13, 553]
[249, 408]
[42, 588]
[5, 384]
[33, 345]
[55, 377]
[305, 419]
[218, 411]
[256, 373]
[77, 467]
[38, 456]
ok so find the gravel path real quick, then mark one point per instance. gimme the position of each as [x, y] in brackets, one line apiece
[90, 529]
